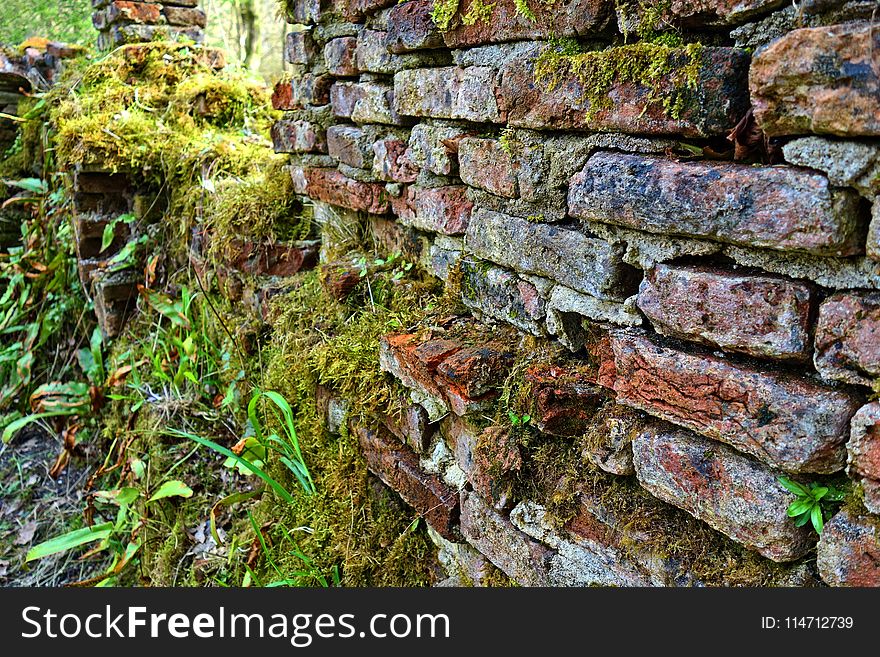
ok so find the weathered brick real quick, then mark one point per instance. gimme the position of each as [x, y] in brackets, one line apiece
[788, 422]
[434, 148]
[819, 80]
[582, 263]
[563, 399]
[392, 237]
[410, 27]
[270, 259]
[332, 187]
[129, 12]
[448, 93]
[300, 48]
[390, 162]
[445, 210]
[339, 56]
[669, 104]
[411, 426]
[485, 164]
[301, 92]
[372, 55]
[415, 364]
[758, 315]
[376, 105]
[184, 16]
[733, 493]
[477, 371]
[520, 557]
[88, 182]
[298, 136]
[398, 466]
[849, 551]
[633, 14]
[873, 247]
[505, 21]
[500, 294]
[864, 453]
[773, 207]
[848, 338]
[610, 435]
[343, 98]
[847, 163]
[355, 10]
[350, 145]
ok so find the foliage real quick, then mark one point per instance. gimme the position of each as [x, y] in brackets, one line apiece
[64, 20]
[814, 504]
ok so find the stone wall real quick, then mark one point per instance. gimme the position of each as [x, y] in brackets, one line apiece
[122, 21]
[679, 193]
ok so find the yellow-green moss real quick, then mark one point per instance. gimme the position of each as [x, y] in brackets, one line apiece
[670, 74]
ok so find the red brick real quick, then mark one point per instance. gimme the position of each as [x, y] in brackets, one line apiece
[349, 145]
[300, 48]
[132, 12]
[355, 10]
[411, 426]
[477, 371]
[415, 363]
[185, 16]
[773, 207]
[301, 92]
[786, 421]
[484, 164]
[398, 466]
[445, 210]
[848, 338]
[733, 493]
[819, 80]
[564, 399]
[332, 187]
[270, 259]
[763, 316]
[557, 99]
[849, 551]
[448, 93]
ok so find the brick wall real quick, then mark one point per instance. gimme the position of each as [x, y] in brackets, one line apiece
[682, 196]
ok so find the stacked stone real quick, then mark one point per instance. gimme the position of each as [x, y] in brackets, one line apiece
[738, 305]
[124, 21]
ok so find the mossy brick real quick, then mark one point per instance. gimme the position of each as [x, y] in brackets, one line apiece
[444, 210]
[398, 466]
[777, 208]
[270, 258]
[184, 16]
[789, 422]
[434, 147]
[448, 92]
[375, 104]
[818, 80]
[734, 493]
[477, 22]
[641, 88]
[122, 11]
[565, 255]
[849, 550]
[760, 315]
[848, 338]
[410, 27]
[411, 426]
[478, 370]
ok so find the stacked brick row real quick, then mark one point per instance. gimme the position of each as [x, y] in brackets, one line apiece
[125, 21]
[736, 304]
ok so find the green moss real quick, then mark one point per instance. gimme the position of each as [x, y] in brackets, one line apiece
[443, 12]
[671, 75]
[478, 12]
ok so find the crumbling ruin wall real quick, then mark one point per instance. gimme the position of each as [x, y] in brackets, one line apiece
[680, 194]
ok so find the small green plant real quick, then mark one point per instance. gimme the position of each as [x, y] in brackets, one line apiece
[518, 420]
[815, 503]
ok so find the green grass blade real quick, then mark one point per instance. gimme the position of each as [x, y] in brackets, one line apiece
[70, 540]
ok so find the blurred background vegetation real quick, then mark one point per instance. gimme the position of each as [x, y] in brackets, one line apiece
[250, 31]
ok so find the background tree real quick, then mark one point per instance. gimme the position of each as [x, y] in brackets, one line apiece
[59, 20]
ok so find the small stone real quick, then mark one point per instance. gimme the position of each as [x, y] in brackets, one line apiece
[339, 56]
[848, 338]
[849, 551]
[445, 210]
[864, 453]
[485, 164]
